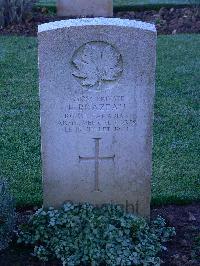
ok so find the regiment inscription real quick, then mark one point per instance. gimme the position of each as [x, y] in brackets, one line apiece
[98, 114]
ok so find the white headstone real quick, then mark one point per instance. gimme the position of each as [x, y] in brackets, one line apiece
[97, 80]
[81, 8]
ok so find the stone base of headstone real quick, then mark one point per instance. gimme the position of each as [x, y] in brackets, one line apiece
[83, 8]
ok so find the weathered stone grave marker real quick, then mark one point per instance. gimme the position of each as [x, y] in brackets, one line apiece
[96, 90]
[82, 8]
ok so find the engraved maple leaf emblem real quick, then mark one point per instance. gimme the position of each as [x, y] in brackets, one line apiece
[97, 63]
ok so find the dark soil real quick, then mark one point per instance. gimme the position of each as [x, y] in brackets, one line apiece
[184, 250]
[167, 20]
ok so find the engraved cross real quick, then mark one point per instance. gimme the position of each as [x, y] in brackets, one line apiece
[96, 159]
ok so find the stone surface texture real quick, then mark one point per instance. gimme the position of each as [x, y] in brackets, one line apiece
[80, 8]
[97, 79]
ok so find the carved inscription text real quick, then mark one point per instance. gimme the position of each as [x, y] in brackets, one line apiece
[98, 114]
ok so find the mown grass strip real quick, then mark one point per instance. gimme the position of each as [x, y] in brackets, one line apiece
[176, 151]
[132, 5]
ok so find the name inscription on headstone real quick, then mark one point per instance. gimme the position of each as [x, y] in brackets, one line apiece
[97, 114]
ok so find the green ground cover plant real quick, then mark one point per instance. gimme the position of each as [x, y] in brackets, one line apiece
[176, 126]
[87, 235]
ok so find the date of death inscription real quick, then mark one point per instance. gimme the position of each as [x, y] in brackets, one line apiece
[98, 114]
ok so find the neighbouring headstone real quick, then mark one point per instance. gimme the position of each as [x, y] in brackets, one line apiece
[82, 8]
[97, 80]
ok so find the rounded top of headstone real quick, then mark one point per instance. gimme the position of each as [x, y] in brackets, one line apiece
[96, 22]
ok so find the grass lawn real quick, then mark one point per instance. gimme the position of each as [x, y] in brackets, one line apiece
[118, 4]
[175, 155]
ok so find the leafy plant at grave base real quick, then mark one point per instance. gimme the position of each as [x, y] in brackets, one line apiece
[7, 215]
[84, 234]
[14, 11]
